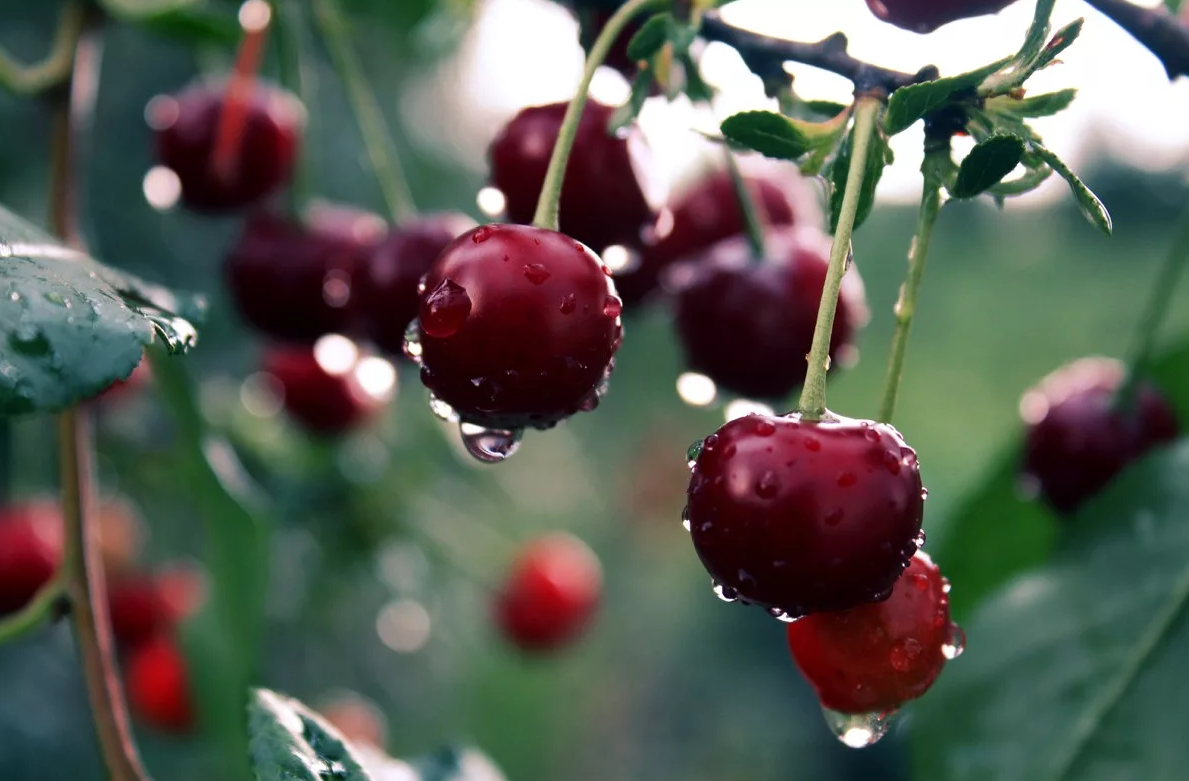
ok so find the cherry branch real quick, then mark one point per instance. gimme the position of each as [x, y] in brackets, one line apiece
[1156, 28]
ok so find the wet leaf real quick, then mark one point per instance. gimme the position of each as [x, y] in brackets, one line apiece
[986, 165]
[908, 104]
[1074, 672]
[776, 135]
[1059, 43]
[1045, 105]
[72, 326]
[1088, 202]
[289, 742]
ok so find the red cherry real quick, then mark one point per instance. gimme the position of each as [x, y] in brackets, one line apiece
[322, 391]
[518, 327]
[707, 213]
[156, 682]
[144, 606]
[30, 551]
[551, 593]
[802, 517]
[925, 16]
[874, 658]
[607, 197]
[186, 126]
[748, 325]
[1078, 437]
[358, 719]
[293, 281]
[385, 291]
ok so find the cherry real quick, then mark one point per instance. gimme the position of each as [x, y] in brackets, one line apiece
[30, 551]
[925, 16]
[120, 534]
[358, 719]
[707, 213]
[386, 297]
[607, 196]
[801, 517]
[187, 126]
[1079, 438]
[322, 388]
[874, 658]
[747, 325]
[293, 280]
[158, 691]
[551, 593]
[143, 606]
[518, 327]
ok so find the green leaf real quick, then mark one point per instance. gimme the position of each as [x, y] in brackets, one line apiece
[72, 326]
[457, 764]
[289, 742]
[1045, 105]
[1059, 43]
[1172, 5]
[1037, 32]
[986, 165]
[1091, 206]
[824, 108]
[651, 36]
[878, 157]
[776, 135]
[1033, 177]
[626, 114]
[1075, 672]
[908, 104]
[696, 88]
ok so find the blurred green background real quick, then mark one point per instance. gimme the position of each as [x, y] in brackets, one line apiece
[394, 532]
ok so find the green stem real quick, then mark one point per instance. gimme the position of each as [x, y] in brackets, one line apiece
[906, 305]
[377, 139]
[550, 200]
[747, 207]
[813, 395]
[40, 609]
[55, 68]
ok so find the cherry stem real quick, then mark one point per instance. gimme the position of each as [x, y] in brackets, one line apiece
[254, 17]
[377, 138]
[550, 200]
[44, 606]
[752, 221]
[54, 68]
[933, 169]
[1158, 29]
[813, 394]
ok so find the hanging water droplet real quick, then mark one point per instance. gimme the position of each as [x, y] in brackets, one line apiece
[692, 453]
[177, 332]
[441, 409]
[685, 519]
[569, 302]
[725, 593]
[612, 306]
[924, 494]
[536, 273]
[421, 284]
[955, 643]
[780, 615]
[412, 346]
[858, 730]
[489, 445]
[445, 309]
[919, 540]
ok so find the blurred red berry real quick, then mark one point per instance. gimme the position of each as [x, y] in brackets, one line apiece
[30, 551]
[321, 387]
[551, 594]
[145, 606]
[157, 686]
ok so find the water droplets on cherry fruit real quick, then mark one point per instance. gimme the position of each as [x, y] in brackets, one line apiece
[725, 593]
[858, 730]
[780, 615]
[489, 445]
[412, 345]
[955, 643]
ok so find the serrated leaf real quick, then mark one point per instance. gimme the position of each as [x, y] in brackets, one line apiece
[986, 165]
[1074, 672]
[289, 742]
[909, 104]
[457, 764]
[824, 108]
[878, 157]
[1038, 30]
[72, 326]
[651, 36]
[1091, 206]
[1059, 43]
[1045, 105]
[776, 135]
[1026, 182]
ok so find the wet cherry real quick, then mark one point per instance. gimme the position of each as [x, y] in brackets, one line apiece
[1079, 438]
[385, 290]
[293, 280]
[925, 16]
[801, 517]
[518, 327]
[186, 128]
[749, 325]
[609, 194]
[157, 687]
[551, 593]
[30, 551]
[323, 393]
[143, 606]
[874, 658]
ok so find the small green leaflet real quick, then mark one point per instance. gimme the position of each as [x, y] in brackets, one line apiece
[1091, 206]
[879, 155]
[986, 165]
[1060, 42]
[1045, 105]
[289, 742]
[776, 135]
[649, 39]
[908, 104]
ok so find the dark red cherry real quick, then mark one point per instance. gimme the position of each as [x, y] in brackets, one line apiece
[1079, 438]
[925, 16]
[707, 213]
[385, 290]
[157, 686]
[748, 325]
[801, 517]
[294, 280]
[322, 389]
[551, 593]
[518, 327]
[874, 658]
[187, 125]
[608, 195]
[143, 606]
[30, 551]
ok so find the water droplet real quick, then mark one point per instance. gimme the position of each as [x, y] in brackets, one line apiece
[764, 427]
[685, 519]
[903, 655]
[29, 340]
[569, 302]
[847, 479]
[14, 296]
[858, 730]
[870, 433]
[891, 462]
[590, 402]
[710, 442]
[489, 445]
[421, 284]
[412, 345]
[919, 540]
[780, 615]
[445, 310]
[612, 306]
[177, 332]
[536, 273]
[725, 593]
[768, 485]
[692, 453]
[924, 494]
[955, 643]
[813, 444]
[441, 409]
[482, 234]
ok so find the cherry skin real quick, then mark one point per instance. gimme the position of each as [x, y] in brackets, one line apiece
[707, 213]
[749, 325]
[801, 517]
[385, 291]
[324, 399]
[551, 594]
[608, 196]
[144, 606]
[925, 16]
[187, 126]
[293, 280]
[518, 327]
[30, 551]
[157, 686]
[1078, 440]
[874, 658]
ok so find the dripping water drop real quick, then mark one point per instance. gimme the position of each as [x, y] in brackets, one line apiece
[489, 445]
[858, 730]
[955, 643]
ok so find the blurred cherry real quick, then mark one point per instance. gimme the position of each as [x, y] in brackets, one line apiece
[551, 594]
[30, 551]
